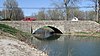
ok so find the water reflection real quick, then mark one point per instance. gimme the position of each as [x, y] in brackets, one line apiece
[70, 46]
[43, 33]
[51, 37]
[46, 34]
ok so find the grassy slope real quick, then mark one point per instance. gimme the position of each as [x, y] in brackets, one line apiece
[23, 36]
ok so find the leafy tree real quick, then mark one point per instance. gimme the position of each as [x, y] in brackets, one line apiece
[13, 12]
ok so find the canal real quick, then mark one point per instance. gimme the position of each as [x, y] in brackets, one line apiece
[67, 45]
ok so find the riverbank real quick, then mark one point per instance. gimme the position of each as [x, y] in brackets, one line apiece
[14, 47]
[17, 43]
[93, 34]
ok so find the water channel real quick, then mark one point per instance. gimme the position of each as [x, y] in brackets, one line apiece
[67, 45]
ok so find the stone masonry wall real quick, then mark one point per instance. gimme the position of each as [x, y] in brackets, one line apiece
[63, 26]
[82, 26]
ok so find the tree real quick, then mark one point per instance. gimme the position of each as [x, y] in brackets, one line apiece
[58, 13]
[51, 14]
[13, 12]
[41, 15]
[71, 3]
[97, 9]
[0, 13]
[65, 4]
[55, 14]
[75, 13]
[91, 15]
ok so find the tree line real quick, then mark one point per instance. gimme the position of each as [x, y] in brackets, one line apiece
[11, 11]
[59, 14]
[62, 11]
[68, 12]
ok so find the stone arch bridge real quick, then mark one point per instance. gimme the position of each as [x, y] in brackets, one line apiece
[63, 26]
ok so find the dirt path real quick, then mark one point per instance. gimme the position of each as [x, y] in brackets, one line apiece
[13, 47]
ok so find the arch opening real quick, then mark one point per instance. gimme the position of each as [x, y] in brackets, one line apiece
[47, 33]
[56, 30]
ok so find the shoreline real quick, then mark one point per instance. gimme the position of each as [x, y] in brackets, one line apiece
[10, 47]
[96, 34]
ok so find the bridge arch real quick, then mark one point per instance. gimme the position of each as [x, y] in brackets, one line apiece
[56, 29]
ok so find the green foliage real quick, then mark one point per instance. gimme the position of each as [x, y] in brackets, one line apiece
[98, 22]
[82, 32]
[19, 34]
[45, 27]
[8, 29]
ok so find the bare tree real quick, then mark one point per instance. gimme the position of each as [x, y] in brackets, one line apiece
[13, 12]
[55, 14]
[41, 15]
[65, 4]
[0, 13]
[71, 3]
[97, 9]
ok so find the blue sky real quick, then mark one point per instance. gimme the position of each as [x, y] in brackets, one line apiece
[39, 4]
[30, 3]
[33, 4]
[86, 3]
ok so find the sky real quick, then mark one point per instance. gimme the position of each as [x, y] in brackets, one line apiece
[40, 4]
[86, 3]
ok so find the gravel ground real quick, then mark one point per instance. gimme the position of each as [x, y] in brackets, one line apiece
[13, 47]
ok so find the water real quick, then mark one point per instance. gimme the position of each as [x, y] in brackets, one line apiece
[70, 46]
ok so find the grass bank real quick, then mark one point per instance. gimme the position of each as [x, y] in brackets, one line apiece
[91, 34]
[23, 36]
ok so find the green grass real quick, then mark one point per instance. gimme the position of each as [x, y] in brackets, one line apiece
[8, 29]
[82, 33]
[19, 34]
[96, 34]
[98, 22]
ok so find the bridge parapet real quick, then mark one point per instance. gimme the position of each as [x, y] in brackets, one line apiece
[63, 26]
[82, 26]
[26, 26]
